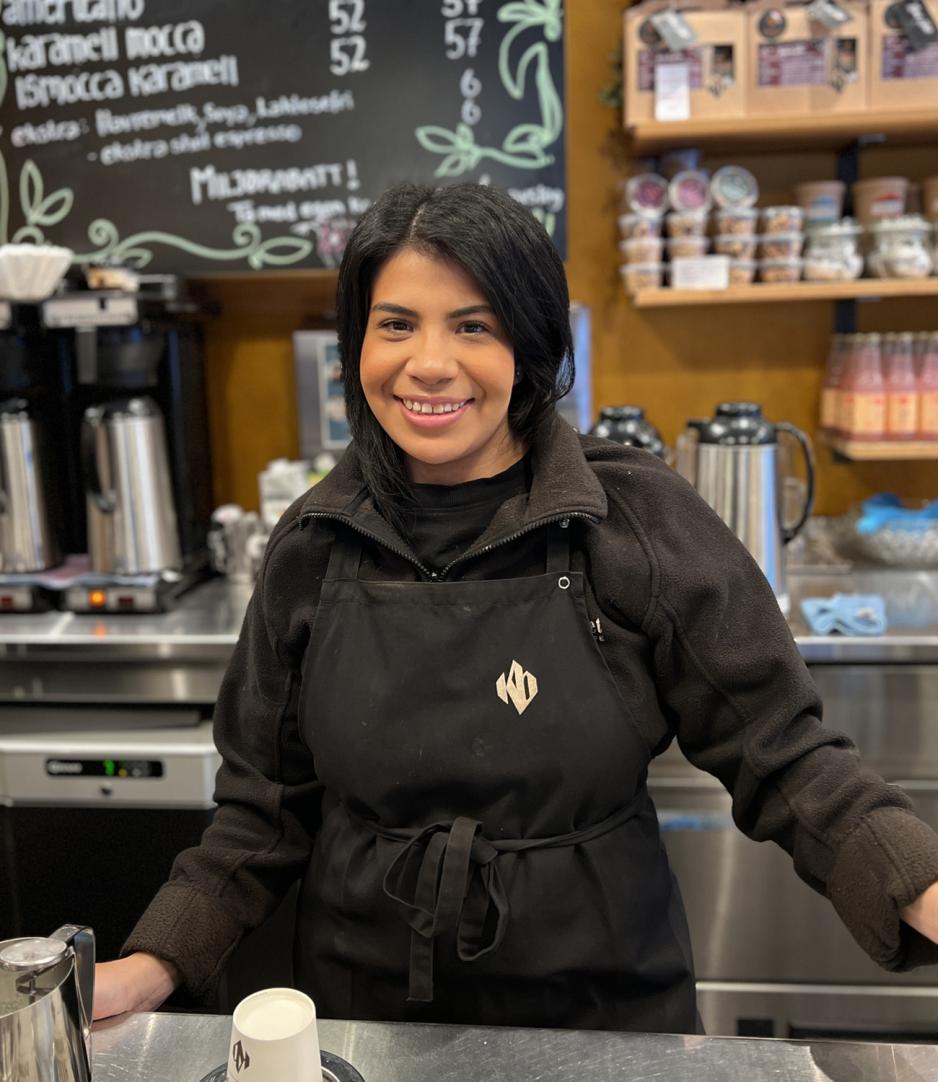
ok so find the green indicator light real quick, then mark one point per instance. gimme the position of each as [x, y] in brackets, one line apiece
[109, 768]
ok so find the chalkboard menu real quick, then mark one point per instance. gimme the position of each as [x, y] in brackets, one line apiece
[201, 135]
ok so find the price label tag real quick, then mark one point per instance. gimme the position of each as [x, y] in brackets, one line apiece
[828, 13]
[707, 272]
[917, 23]
[672, 92]
[676, 32]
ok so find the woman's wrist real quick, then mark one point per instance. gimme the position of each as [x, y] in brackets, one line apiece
[153, 979]
[922, 914]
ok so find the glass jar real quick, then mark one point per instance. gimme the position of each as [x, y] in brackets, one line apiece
[833, 252]
[900, 248]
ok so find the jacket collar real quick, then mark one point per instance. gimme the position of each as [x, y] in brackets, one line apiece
[563, 484]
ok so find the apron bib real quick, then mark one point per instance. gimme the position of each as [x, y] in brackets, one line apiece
[489, 852]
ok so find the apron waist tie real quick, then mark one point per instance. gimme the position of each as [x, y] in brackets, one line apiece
[446, 881]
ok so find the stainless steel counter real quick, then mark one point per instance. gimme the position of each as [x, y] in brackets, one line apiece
[207, 621]
[185, 1048]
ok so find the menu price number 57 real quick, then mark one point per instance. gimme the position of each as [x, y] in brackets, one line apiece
[347, 48]
[462, 30]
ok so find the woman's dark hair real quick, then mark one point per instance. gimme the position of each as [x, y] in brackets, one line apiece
[519, 271]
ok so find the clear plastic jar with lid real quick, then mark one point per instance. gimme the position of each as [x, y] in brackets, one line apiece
[833, 253]
[900, 248]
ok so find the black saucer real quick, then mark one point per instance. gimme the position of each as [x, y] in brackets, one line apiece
[334, 1069]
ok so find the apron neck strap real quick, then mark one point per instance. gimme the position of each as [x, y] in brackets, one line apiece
[558, 547]
[345, 556]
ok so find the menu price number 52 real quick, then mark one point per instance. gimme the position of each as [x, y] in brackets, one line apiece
[462, 30]
[347, 48]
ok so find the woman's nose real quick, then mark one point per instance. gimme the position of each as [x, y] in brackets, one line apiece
[431, 362]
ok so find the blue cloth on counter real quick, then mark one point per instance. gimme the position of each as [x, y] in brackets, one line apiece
[886, 510]
[850, 614]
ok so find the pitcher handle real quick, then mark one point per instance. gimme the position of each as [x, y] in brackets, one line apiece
[81, 939]
[790, 532]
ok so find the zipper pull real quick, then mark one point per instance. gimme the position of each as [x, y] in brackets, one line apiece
[597, 629]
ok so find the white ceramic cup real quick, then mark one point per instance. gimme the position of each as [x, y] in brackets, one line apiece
[274, 1038]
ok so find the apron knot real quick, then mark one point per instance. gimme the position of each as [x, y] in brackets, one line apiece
[445, 882]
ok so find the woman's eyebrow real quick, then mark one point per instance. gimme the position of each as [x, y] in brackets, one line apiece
[394, 309]
[400, 310]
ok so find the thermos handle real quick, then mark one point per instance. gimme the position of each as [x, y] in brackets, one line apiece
[89, 461]
[4, 498]
[790, 532]
[81, 939]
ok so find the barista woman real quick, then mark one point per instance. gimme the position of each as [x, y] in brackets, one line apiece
[465, 646]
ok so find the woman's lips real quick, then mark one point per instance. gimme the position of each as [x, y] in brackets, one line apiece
[433, 420]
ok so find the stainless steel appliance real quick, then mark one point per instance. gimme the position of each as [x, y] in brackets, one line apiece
[95, 818]
[46, 995]
[772, 957]
[84, 349]
[27, 542]
[131, 512]
[733, 460]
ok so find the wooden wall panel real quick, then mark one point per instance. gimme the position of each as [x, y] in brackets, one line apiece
[677, 364]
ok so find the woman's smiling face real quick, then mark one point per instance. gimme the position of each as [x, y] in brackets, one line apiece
[437, 370]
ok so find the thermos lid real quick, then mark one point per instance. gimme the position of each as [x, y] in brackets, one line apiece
[126, 407]
[627, 425]
[15, 407]
[28, 954]
[738, 424]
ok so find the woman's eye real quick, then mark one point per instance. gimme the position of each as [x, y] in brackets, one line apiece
[474, 328]
[396, 325]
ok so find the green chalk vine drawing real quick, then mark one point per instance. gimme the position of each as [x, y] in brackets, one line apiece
[41, 212]
[525, 146]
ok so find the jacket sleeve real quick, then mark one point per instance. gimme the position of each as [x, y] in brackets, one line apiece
[261, 836]
[745, 709]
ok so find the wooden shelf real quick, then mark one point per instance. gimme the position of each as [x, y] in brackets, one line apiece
[760, 293]
[769, 132]
[882, 450]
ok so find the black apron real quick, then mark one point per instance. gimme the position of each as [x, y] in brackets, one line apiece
[489, 853]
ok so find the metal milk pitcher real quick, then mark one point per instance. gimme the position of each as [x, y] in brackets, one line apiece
[46, 993]
[732, 460]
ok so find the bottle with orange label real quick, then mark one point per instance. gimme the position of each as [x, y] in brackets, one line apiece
[830, 387]
[902, 390]
[863, 391]
[928, 391]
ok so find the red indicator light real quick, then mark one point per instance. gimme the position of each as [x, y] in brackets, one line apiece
[96, 598]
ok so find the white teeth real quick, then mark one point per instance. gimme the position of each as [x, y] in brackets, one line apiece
[426, 407]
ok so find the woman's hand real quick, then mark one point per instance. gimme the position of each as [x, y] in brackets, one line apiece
[922, 914]
[139, 982]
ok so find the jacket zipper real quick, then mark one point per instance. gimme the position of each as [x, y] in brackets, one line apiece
[439, 576]
[597, 629]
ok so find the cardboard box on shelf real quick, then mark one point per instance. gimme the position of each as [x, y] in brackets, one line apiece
[902, 77]
[712, 67]
[798, 65]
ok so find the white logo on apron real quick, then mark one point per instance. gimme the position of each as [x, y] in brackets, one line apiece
[519, 687]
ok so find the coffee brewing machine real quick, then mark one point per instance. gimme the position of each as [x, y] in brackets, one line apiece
[105, 471]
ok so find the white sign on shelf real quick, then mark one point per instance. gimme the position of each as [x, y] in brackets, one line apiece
[672, 91]
[706, 272]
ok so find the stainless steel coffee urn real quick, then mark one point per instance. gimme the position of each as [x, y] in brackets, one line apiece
[46, 995]
[26, 541]
[132, 526]
[733, 461]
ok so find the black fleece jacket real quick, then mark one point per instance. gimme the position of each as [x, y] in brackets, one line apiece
[693, 638]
